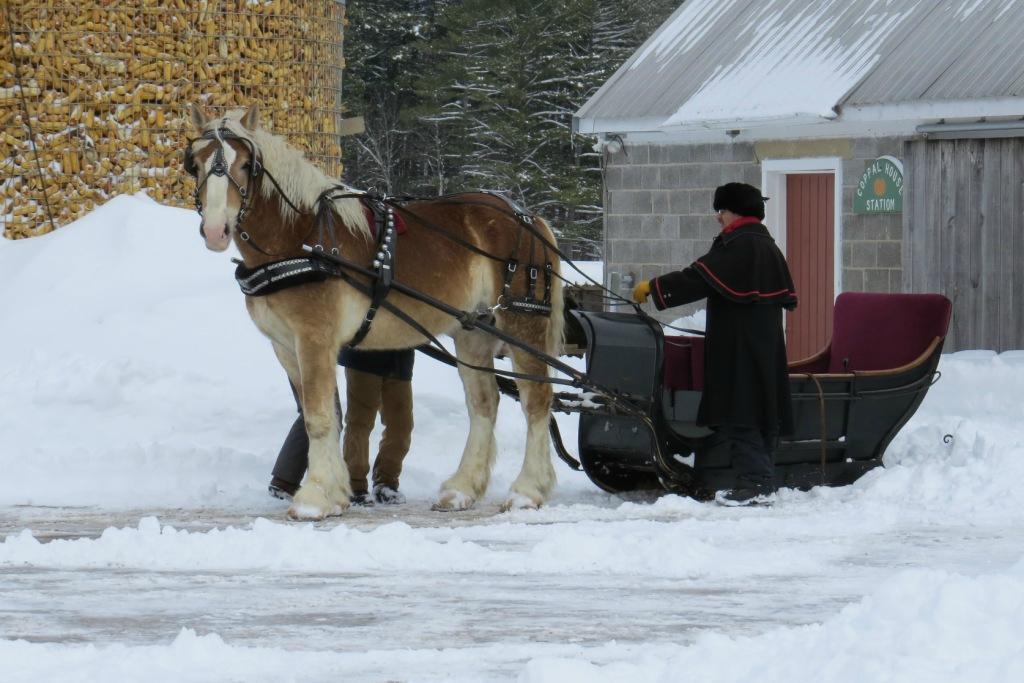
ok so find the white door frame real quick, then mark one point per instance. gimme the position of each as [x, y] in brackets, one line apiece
[773, 182]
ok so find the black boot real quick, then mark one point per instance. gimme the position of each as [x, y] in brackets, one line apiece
[279, 488]
[362, 499]
[744, 495]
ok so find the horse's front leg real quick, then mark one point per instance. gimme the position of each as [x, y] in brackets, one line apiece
[326, 489]
[469, 482]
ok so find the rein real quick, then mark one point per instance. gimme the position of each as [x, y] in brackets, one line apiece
[320, 265]
[343, 269]
[325, 216]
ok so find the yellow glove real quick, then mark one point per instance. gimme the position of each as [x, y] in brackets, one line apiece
[642, 291]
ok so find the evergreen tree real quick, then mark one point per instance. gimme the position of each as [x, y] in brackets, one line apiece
[382, 55]
[471, 94]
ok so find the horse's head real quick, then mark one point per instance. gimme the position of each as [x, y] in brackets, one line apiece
[226, 165]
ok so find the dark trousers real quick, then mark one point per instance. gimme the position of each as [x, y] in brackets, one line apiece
[293, 458]
[752, 454]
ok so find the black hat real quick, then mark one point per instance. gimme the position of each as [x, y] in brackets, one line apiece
[741, 199]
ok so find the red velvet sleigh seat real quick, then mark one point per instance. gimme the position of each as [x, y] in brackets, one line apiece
[849, 400]
[880, 332]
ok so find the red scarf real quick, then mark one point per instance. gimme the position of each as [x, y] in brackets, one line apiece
[744, 220]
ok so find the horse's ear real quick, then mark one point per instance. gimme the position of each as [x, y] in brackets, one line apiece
[251, 119]
[200, 116]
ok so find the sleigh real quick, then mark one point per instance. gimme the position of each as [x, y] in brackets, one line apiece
[849, 400]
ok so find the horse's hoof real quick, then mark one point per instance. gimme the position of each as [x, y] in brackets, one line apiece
[311, 503]
[312, 513]
[518, 501]
[452, 501]
[306, 513]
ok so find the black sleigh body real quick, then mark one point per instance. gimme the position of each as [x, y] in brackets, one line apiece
[849, 400]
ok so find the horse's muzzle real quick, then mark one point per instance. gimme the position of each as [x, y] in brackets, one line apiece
[217, 239]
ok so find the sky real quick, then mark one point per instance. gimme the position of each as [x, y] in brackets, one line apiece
[140, 414]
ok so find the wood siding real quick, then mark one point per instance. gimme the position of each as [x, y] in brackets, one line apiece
[964, 236]
[810, 250]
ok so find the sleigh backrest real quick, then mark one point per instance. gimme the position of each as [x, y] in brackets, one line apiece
[884, 331]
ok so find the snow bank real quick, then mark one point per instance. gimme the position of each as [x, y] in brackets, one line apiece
[678, 548]
[920, 626]
[132, 378]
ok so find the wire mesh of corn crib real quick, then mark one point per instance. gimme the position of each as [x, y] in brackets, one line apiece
[94, 94]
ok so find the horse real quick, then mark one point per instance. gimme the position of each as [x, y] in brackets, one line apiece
[255, 189]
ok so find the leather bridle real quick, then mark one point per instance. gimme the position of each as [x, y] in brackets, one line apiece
[254, 169]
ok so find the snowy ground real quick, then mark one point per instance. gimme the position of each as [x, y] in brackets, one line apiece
[140, 413]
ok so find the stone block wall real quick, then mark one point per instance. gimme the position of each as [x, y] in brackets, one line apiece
[659, 216]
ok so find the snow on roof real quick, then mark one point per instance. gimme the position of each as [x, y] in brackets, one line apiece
[714, 63]
[799, 63]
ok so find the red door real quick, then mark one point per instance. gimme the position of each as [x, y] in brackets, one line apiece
[810, 250]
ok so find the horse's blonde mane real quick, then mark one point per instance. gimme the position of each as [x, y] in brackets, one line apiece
[298, 177]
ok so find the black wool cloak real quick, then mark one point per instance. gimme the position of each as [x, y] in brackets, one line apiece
[747, 283]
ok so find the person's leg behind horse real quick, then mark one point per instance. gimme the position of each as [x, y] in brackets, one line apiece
[293, 458]
[363, 392]
[396, 416]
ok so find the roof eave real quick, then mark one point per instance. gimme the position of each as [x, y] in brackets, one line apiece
[887, 114]
[656, 124]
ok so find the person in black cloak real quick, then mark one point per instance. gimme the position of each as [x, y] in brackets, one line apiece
[747, 283]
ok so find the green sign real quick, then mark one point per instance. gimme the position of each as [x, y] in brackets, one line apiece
[880, 189]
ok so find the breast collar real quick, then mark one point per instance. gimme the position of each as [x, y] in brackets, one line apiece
[292, 272]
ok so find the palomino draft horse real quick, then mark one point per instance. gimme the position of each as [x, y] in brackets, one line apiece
[258, 191]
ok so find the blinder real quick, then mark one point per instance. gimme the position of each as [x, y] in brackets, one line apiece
[190, 160]
[220, 166]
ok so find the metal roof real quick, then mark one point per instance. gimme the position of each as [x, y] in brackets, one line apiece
[719, 61]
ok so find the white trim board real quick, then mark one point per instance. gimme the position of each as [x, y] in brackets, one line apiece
[773, 186]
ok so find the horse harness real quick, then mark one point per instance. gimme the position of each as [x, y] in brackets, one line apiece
[291, 272]
[529, 302]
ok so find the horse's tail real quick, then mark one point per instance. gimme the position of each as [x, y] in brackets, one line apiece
[556, 320]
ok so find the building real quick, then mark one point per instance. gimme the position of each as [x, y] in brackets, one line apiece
[888, 134]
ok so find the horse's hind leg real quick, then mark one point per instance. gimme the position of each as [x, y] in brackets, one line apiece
[535, 481]
[326, 489]
[469, 482]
